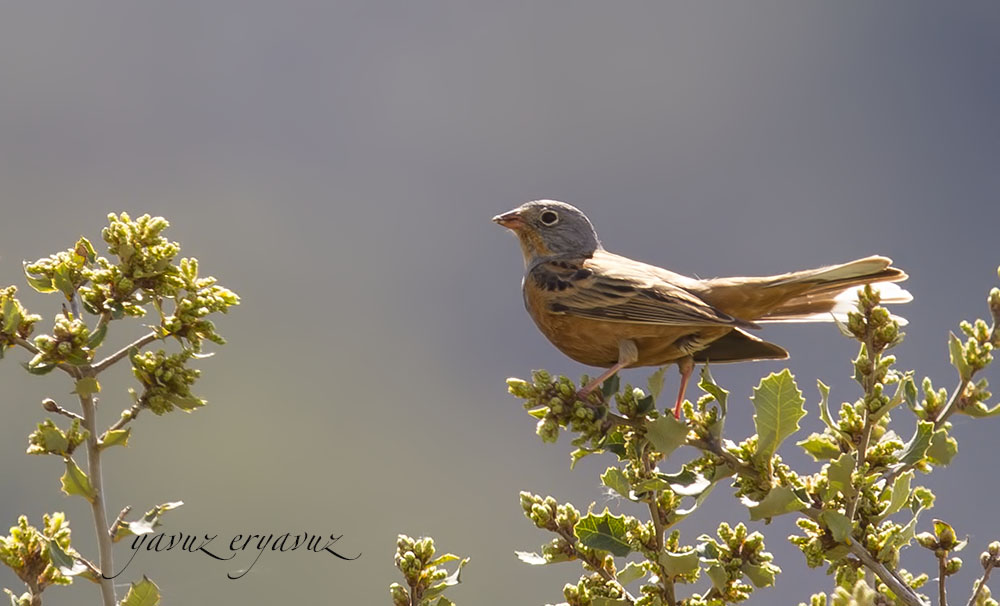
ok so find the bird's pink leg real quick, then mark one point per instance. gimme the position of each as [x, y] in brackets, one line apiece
[628, 353]
[686, 367]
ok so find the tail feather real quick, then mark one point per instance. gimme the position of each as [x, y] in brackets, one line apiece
[833, 290]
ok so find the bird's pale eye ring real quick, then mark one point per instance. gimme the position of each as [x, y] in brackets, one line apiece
[549, 217]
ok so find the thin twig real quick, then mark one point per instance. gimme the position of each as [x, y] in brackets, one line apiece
[26, 344]
[119, 521]
[942, 574]
[982, 582]
[715, 448]
[72, 371]
[866, 433]
[887, 576]
[655, 513]
[127, 415]
[52, 406]
[954, 402]
[866, 436]
[121, 353]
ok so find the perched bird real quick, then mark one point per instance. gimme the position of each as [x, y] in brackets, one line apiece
[606, 310]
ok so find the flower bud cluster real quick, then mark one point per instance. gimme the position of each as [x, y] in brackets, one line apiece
[817, 544]
[166, 380]
[15, 321]
[27, 552]
[64, 271]
[736, 556]
[547, 513]
[202, 297]
[554, 402]
[49, 439]
[68, 343]
[425, 578]
[590, 588]
[144, 271]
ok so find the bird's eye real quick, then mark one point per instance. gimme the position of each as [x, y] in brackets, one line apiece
[550, 217]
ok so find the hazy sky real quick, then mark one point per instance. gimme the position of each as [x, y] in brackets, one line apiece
[337, 164]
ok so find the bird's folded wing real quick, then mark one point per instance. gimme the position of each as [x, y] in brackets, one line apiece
[608, 289]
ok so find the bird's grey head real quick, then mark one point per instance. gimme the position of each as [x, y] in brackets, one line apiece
[548, 228]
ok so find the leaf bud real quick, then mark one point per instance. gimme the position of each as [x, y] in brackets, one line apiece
[926, 540]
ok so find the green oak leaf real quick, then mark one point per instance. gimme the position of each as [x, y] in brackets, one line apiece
[87, 387]
[604, 532]
[761, 575]
[709, 386]
[666, 434]
[676, 564]
[115, 437]
[980, 411]
[449, 581]
[943, 447]
[631, 572]
[718, 575]
[839, 474]
[838, 523]
[781, 499]
[75, 481]
[820, 446]
[146, 524]
[900, 494]
[655, 382]
[143, 593]
[957, 355]
[778, 407]
[614, 479]
[916, 448]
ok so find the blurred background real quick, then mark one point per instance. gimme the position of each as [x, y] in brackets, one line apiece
[337, 164]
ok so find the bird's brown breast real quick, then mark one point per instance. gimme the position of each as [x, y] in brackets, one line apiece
[595, 342]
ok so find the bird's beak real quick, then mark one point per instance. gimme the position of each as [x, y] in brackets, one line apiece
[510, 219]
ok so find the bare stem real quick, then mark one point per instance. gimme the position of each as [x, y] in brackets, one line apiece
[119, 521]
[52, 406]
[88, 404]
[72, 371]
[887, 576]
[866, 436]
[942, 574]
[953, 402]
[121, 353]
[982, 582]
[128, 415]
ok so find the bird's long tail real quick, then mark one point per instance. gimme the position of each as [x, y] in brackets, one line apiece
[830, 292]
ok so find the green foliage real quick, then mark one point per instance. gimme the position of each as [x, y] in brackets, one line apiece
[143, 593]
[15, 321]
[856, 513]
[425, 576]
[41, 558]
[49, 439]
[146, 524]
[141, 274]
[778, 405]
[166, 381]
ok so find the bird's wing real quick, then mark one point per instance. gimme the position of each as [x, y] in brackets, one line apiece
[617, 289]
